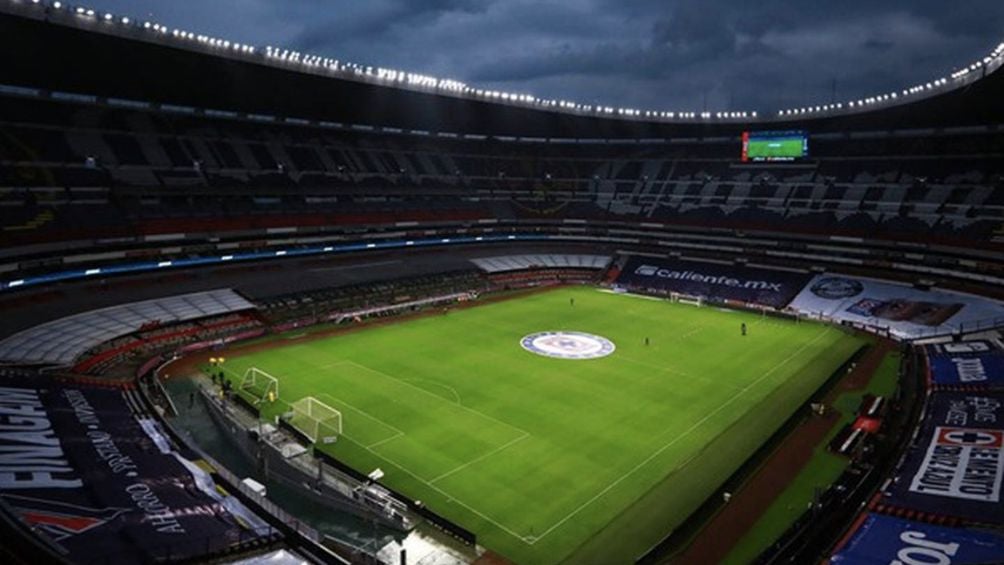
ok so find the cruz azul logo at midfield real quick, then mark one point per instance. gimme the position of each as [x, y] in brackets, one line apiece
[568, 345]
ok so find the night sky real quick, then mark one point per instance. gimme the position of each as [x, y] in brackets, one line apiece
[645, 54]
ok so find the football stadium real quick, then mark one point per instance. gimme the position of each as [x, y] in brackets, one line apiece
[267, 306]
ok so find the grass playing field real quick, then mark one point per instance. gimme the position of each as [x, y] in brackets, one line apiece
[555, 460]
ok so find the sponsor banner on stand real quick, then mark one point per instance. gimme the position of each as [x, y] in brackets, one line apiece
[885, 540]
[980, 370]
[79, 468]
[751, 285]
[956, 465]
[963, 349]
[970, 363]
[903, 311]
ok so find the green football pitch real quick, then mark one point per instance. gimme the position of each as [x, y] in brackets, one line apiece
[556, 460]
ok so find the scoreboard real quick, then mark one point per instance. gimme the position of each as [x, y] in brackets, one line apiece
[775, 145]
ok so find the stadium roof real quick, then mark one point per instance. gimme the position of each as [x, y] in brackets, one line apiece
[75, 49]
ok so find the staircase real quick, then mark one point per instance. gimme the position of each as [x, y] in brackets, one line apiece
[38, 221]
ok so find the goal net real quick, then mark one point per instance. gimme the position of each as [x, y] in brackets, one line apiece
[687, 299]
[316, 420]
[259, 385]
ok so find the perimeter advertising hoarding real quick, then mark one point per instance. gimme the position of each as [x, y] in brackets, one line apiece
[81, 470]
[885, 540]
[955, 466]
[752, 285]
[905, 311]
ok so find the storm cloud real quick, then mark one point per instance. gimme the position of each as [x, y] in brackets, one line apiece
[649, 54]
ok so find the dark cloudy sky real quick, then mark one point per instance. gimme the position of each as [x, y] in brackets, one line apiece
[647, 54]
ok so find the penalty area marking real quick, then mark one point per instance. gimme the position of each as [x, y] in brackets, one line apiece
[450, 498]
[397, 431]
[480, 458]
[453, 391]
[383, 441]
[432, 394]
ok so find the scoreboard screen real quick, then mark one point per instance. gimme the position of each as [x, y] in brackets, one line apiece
[775, 145]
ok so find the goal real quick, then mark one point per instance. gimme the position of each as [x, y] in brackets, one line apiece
[687, 299]
[259, 385]
[318, 421]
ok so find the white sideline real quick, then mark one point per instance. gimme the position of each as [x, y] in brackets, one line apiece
[679, 437]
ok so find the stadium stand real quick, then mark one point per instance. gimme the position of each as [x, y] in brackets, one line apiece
[885, 539]
[505, 263]
[105, 176]
[63, 341]
[114, 484]
[924, 193]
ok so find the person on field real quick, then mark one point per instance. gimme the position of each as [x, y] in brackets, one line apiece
[742, 328]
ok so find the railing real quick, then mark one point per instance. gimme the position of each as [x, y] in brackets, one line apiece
[984, 325]
[270, 507]
[297, 533]
[944, 330]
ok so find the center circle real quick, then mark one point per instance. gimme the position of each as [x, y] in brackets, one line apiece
[568, 345]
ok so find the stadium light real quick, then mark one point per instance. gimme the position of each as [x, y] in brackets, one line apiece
[317, 63]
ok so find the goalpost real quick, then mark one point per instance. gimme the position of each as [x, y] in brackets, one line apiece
[316, 420]
[686, 299]
[260, 385]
